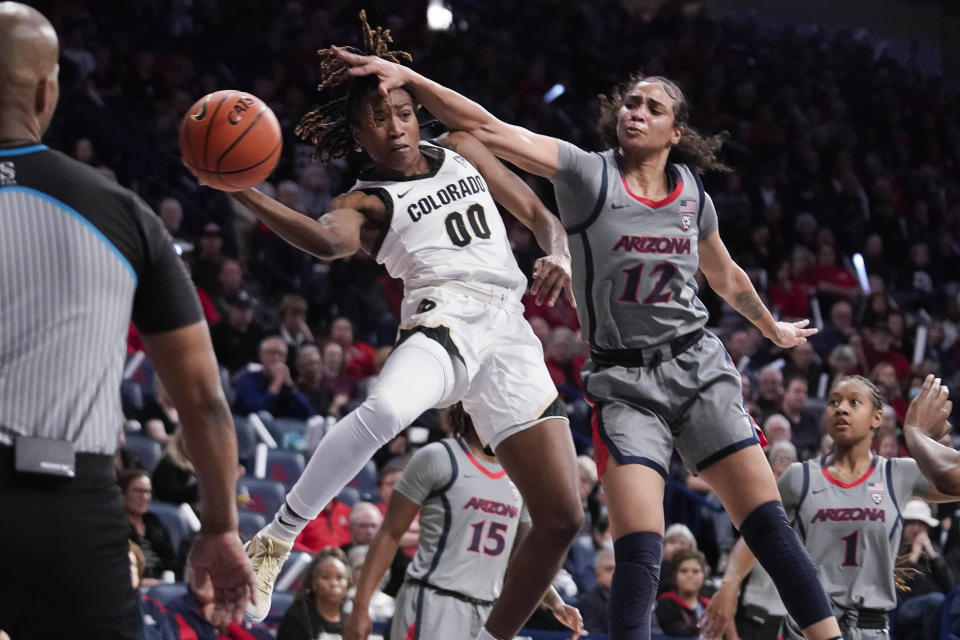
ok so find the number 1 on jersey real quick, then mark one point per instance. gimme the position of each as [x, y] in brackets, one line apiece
[850, 550]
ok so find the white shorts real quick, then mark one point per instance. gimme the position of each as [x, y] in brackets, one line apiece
[504, 383]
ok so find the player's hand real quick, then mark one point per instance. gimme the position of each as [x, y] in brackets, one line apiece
[359, 625]
[195, 173]
[551, 277]
[391, 75]
[929, 411]
[220, 558]
[718, 616]
[790, 334]
[570, 617]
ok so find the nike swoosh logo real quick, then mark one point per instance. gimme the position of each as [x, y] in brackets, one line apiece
[818, 491]
[400, 195]
[619, 206]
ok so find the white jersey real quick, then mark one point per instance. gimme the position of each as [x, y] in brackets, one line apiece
[444, 226]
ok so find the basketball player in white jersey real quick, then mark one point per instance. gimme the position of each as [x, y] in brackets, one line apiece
[427, 213]
[470, 516]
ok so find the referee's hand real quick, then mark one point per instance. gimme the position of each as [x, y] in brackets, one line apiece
[221, 558]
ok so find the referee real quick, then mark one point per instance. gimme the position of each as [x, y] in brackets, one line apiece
[78, 256]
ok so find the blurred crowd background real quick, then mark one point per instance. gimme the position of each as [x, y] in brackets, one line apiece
[837, 149]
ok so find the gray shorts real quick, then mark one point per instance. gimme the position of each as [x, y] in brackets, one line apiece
[424, 614]
[692, 402]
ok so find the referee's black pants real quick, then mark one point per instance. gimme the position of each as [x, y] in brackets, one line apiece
[64, 567]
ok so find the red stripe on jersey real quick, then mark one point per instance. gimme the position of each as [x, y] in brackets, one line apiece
[600, 453]
[411, 631]
[656, 204]
[848, 485]
[484, 470]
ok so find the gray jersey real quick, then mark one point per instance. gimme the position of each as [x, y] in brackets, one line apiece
[468, 519]
[853, 531]
[633, 259]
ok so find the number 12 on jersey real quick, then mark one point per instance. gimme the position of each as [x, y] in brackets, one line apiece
[663, 272]
[495, 539]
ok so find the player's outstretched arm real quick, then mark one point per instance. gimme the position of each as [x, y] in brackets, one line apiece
[400, 513]
[733, 285]
[717, 619]
[185, 362]
[551, 273]
[530, 151]
[925, 423]
[336, 234]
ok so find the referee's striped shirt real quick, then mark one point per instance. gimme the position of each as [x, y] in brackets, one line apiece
[78, 256]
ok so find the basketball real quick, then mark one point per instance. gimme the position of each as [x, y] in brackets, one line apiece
[230, 140]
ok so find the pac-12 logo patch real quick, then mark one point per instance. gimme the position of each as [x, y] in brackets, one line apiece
[876, 491]
[687, 209]
[877, 498]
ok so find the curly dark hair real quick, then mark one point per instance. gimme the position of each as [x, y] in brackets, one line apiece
[327, 126]
[695, 150]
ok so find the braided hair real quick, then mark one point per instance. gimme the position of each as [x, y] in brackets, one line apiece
[327, 126]
[697, 151]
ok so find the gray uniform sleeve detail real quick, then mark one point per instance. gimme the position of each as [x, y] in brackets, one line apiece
[791, 485]
[908, 481]
[429, 469]
[576, 182]
[708, 220]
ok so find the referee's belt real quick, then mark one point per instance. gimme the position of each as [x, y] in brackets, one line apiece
[448, 592]
[649, 356]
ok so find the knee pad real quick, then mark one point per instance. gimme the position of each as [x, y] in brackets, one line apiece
[779, 549]
[634, 585]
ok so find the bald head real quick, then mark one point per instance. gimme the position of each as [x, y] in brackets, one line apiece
[28, 72]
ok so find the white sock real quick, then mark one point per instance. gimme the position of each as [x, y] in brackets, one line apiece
[485, 635]
[286, 524]
[416, 377]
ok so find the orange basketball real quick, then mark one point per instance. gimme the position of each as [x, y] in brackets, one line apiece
[230, 140]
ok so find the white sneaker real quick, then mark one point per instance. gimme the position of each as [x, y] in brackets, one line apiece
[267, 555]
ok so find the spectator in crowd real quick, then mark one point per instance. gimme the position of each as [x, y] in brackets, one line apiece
[205, 266]
[564, 362]
[271, 387]
[159, 417]
[230, 281]
[884, 375]
[331, 528]
[680, 608]
[358, 356]
[293, 327]
[171, 214]
[315, 190]
[776, 428]
[926, 575]
[310, 380]
[739, 346]
[788, 296]
[877, 349]
[804, 426]
[769, 389]
[386, 481]
[594, 604]
[675, 538]
[146, 530]
[318, 608]
[335, 376]
[837, 330]
[236, 340]
[193, 618]
[842, 362]
[803, 362]
[833, 282]
[365, 521]
[382, 606]
[174, 479]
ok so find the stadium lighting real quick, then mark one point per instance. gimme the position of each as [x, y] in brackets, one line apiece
[861, 269]
[553, 93]
[439, 16]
